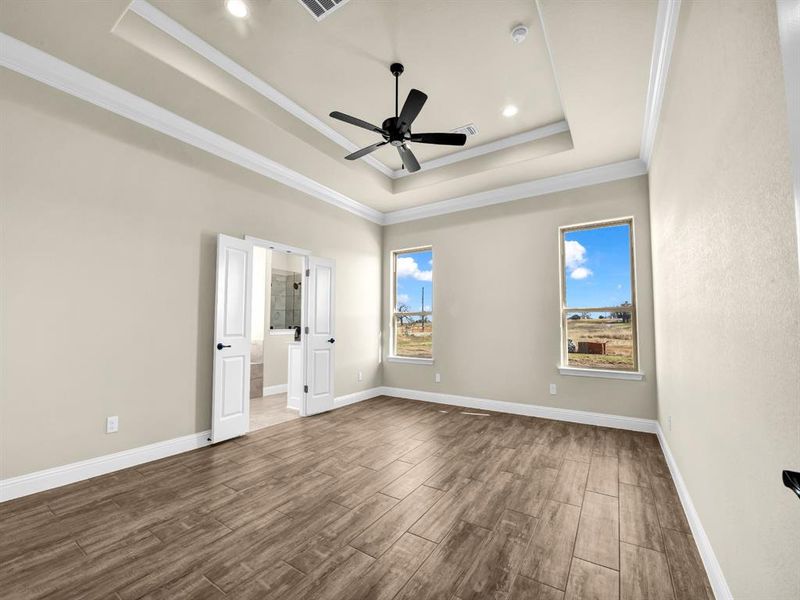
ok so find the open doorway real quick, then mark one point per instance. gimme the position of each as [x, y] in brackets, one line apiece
[310, 350]
[276, 361]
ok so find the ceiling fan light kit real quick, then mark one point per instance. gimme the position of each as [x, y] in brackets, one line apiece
[396, 130]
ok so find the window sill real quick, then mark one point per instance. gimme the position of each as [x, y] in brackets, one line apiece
[409, 361]
[601, 373]
[281, 331]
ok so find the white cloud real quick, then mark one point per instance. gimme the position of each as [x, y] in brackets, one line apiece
[574, 257]
[402, 298]
[619, 286]
[408, 267]
[574, 254]
[580, 273]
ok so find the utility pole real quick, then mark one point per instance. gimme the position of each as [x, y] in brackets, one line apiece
[422, 308]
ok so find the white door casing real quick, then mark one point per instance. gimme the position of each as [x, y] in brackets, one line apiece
[321, 337]
[230, 414]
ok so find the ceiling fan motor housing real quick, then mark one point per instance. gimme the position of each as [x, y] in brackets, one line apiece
[392, 127]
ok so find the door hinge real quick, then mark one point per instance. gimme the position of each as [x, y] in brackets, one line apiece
[308, 272]
[307, 330]
[305, 389]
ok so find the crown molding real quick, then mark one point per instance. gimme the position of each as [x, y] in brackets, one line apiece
[39, 65]
[168, 25]
[161, 21]
[501, 144]
[664, 40]
[43, 67]
[528, 189]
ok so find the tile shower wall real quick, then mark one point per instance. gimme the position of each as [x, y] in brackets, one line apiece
[285, 299]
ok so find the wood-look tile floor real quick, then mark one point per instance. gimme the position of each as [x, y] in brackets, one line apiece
[270, 410]
[383, 499]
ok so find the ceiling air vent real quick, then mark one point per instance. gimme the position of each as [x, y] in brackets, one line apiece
[320, 9]
[468, 130]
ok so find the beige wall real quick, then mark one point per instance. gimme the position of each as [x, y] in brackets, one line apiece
[496, 301]
[726, 291]
[108, 260]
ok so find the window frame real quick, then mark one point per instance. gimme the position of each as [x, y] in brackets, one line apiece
[565, 367]
[393, 312]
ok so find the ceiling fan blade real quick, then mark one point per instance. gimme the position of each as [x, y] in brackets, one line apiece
[365, 151]
[357, 122]
[447, 139]
[414, 103]
[409, 160]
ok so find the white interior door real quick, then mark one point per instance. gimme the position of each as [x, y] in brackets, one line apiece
[230, 414]
[321, 338]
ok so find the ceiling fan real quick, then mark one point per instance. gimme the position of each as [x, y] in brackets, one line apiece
[396, 130]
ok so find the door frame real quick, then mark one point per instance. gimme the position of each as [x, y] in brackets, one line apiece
[286, 249]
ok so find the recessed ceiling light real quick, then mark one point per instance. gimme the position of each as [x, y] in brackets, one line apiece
[237, 8]
[510, 110]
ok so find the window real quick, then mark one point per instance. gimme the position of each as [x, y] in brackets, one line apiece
[598, 296]
[412, 305]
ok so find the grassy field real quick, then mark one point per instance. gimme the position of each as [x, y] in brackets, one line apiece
[617, 335]
[413, 342]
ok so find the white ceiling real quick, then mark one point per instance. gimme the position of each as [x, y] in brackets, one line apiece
[459, 53]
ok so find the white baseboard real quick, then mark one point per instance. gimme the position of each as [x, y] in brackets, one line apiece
[39, 481]
[271, 390]
[528, 410]
[715, 576]
[15, 487]
[357, 397]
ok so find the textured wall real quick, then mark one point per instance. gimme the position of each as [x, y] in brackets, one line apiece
[497, 301]
[726, 293]
[108, 259]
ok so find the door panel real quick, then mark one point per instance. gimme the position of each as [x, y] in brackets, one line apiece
[236, 262]
[322, 300]
[322, 371]
[233, 375]
[230, 413]
[320, 345]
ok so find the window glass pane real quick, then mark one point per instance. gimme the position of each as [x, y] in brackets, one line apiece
[414, 336]
[600, 340]
[414, 284]
[597, 266]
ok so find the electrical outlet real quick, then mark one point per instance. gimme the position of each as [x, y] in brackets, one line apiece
[112, 424]
[438, 378]
[360, 376]
[553, 389]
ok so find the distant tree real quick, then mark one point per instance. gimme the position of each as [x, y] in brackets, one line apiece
[585, 315]
[404, 320]
[624, 316]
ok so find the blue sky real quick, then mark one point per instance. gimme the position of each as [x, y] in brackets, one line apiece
[415, 273]
[597, 266]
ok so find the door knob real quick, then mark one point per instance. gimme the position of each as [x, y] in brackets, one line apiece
[220, 346]
[331, 341]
